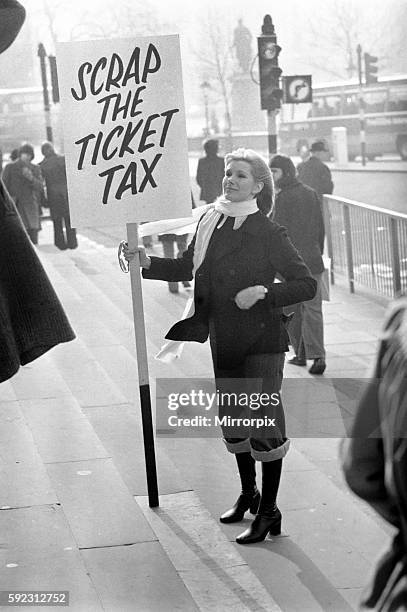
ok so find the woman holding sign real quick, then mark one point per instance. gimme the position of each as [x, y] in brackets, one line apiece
[234, 257]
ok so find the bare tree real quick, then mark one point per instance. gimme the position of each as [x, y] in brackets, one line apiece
[341, 26]
[334, 38]
[109, 19]
[48, 16]
[215, 63]
[129, 18]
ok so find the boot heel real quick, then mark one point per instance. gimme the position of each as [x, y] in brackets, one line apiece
[254, 506]
[275, 529]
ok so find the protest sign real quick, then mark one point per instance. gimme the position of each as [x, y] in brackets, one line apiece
[126, 156]
[124, 130]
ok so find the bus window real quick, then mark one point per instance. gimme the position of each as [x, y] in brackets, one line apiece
[326, 106]
[351, 106]
[398, 99]
[375, 101]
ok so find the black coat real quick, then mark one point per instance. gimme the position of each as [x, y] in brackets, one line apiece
[54, 173]
[316, 175]
[252, 255]
[209, 176]
[298, 209]
[32, 319]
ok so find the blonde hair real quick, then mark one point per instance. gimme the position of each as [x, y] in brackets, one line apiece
[261, 172]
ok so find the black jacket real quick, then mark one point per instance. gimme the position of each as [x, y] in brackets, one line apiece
[316, 175]
[252, 255]
[54, 173]
[298, 208]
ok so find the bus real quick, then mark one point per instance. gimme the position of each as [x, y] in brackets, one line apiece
[337, 105]
[22, 118]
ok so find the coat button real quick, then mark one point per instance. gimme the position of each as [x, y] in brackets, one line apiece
[262, 325]
[232, 272]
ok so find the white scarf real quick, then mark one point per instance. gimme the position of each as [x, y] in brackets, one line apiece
[172, 349]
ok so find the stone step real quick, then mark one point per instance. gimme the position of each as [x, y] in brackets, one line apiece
[23, 478]
[137, 577]
[98, 506]
[38, 552]
[211, 568]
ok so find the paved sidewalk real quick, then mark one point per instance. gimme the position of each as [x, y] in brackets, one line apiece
[371, 166]
[73, 507]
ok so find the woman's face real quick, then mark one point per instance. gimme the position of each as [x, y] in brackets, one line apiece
[239, 183]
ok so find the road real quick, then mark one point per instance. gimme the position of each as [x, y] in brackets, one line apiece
[384, 189]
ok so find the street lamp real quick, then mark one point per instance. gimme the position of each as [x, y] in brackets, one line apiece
[205, 86]
[47, 111]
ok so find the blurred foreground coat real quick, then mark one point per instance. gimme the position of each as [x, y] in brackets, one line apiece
[32, 319]
[375, 460]
[12, 15]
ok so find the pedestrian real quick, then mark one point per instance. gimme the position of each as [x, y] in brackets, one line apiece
[23, 181]
[210, 171]
[314, 172]
[298, 209]
[54, 172]
[32, 319]
[234, 256]
[169, 241]
[375, 459]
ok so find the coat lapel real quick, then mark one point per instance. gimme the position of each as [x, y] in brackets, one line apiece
[251, 226]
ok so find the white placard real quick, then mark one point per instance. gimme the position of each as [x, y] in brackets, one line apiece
[124, 130]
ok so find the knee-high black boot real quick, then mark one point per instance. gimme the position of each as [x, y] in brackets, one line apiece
[268, 518]
[250, 497]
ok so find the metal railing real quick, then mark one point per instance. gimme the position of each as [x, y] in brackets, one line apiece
[367, 245]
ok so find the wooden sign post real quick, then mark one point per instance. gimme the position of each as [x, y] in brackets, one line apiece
[142, 365]
[126, 156]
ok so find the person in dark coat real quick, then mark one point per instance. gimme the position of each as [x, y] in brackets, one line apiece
[234, 256]
[374, 459]
[54, 172]
[314, 172]
[297, 208]
[32, 319]
[23, 181]
[210, 169]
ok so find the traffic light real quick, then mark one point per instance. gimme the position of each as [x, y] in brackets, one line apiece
[269, 72]
[54, 78]
[370, 68]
